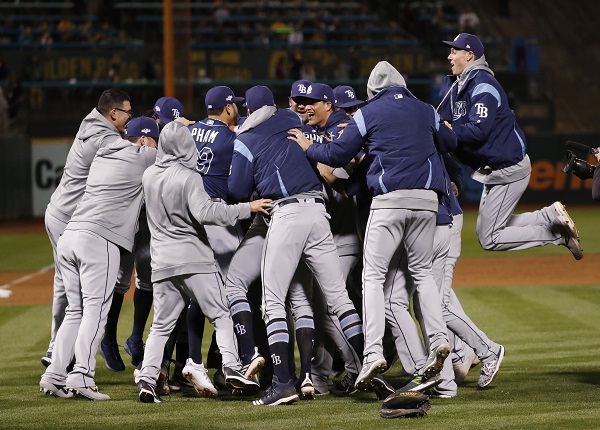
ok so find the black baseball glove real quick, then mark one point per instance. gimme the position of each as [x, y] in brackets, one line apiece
[406, 404]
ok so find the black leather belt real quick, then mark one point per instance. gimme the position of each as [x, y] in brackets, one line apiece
[294, 200]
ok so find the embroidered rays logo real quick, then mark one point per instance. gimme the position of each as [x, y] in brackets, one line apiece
[460, 109]
[331, 135]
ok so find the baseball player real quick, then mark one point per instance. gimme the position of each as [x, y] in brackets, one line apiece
[101, 127]
[265, 162]
[183, 264]
[144, 130]
[490, 142]
[345, 99]
[89, 252]
[324, 118]
[245, 270]
[166, 110]
[214, 142]
[405, 177]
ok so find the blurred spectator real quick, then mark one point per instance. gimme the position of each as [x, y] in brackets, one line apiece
[296, 37]
[67, 29]
[280, 69]
[14, 92]
[468, 21]
[26, 37]
[33, 71]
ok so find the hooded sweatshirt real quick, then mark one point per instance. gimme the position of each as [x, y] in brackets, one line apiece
[399, 133]
[177, 207]
[485, 126]
[95, 132]
[111, 203]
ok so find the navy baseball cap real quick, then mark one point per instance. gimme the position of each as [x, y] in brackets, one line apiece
[345, 97]
[168, 109]
[299, 88]
[320, 92]
[142, 126]
[466, 42]
[220, 96]
[259, 96]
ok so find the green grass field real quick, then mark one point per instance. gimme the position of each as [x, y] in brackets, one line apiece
[547, 381]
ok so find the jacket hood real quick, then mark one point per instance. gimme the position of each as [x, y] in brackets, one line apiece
[176, 145]
[382, 76]
[257, 117]
[95, 125]
[479, 64]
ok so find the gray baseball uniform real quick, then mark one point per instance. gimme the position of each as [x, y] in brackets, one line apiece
[183, 264]
[95, 132]
[88, 252]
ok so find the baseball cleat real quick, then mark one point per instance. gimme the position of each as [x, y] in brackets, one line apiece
[307, 390]
[490, 369]
[279, 393]
[197, 375]
[91, 393]
[147, 394]
[47, 359]
[112, 357]
[55, 390]
[135, 348]
[565, 219]
[256, 363]
[345, 387]
[381, 387]
[235, 380]
[368, 372]
[435, 361]
[421, 384]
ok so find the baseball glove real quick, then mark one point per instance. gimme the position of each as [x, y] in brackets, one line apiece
[406, 404]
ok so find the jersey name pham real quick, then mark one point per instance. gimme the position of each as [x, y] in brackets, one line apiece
[204, 136]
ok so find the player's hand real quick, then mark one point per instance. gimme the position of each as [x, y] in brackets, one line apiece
[299, 137]
[598, 154]
[261, 205]
[184, 121]
[454, 189]
[448, 124]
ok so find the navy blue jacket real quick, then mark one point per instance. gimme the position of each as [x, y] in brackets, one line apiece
[214, 142]
[484, 124]
[399, 133]
[266, 160]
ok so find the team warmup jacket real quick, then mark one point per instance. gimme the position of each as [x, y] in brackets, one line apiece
[266, 160]
[214, 142]
[177, 206]
[397, 131]
[95, 132]
[111, 203]
[485, 126]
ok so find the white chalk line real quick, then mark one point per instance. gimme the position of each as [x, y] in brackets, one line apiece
[5, 291]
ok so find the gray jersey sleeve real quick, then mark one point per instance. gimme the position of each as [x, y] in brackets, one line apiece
[205, 211]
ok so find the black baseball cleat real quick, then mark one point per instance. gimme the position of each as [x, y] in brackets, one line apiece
[112, 357]
[147, 394]
[47, 359]
[55, 390]
[421, 384]
[135, 348]
[381, 387]
[236, 381]
[280, 393]
[345, 387]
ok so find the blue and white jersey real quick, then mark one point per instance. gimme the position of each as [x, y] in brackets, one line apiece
[484, 124]
[214, 142]
[400, 134]
[265, 160]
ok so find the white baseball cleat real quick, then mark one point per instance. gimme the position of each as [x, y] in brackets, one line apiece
[435, 360]
[91, 393]
[55, 390]
[256, 363]
[569, 230]
[197, 375]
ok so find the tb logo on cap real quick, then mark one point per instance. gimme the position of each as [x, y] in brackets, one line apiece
[229, 98]
[175, 113]
[302, 89]
[350, 94]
